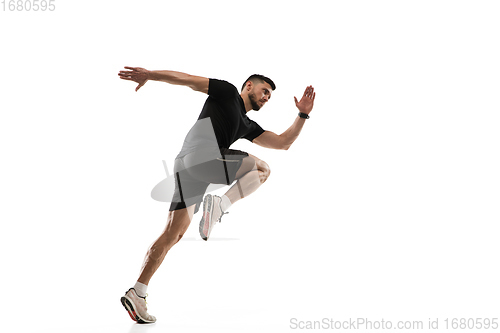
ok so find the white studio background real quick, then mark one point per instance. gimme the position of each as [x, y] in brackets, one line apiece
[386, 207]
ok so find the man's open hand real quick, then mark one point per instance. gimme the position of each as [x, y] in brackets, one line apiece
[136, 74]
[307, 101]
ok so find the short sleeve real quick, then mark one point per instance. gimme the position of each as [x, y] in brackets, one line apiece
[254, 132]
[220, 89]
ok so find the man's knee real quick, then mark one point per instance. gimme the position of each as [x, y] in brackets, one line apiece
[177, 224]
[264, 170]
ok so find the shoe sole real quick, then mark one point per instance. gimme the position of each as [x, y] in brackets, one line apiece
[128, 305]
[206, 202]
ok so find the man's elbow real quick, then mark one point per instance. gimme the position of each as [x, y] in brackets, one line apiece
[286, 146]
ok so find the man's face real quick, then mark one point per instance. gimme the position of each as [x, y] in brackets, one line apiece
[260, 95]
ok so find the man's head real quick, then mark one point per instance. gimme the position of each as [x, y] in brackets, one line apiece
[258, 88]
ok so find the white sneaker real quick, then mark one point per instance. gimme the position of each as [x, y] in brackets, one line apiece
[212, 213]
[136, 307]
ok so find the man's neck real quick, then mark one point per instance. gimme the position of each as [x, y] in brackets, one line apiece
[246, 101]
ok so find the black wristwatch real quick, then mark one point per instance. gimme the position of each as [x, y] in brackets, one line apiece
[303, 115]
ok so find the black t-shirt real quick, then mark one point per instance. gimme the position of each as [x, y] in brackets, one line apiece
[223, 113]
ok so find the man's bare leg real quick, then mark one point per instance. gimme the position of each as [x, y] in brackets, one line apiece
[178, 223]
[134, 299]
[251, 175]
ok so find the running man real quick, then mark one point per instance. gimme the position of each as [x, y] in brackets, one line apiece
[206, 158]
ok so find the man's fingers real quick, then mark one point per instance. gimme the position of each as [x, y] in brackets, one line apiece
[127, 72]
[126, 77]
[310, 92]
[306, 91]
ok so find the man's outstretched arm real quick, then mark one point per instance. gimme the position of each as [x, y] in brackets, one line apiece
[141, 76]
[272, 140]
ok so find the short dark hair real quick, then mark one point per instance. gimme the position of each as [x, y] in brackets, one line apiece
[261, 78]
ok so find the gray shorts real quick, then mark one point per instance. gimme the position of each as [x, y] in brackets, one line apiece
[192, 178]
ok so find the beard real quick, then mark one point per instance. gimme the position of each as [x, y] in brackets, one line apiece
[254, 102]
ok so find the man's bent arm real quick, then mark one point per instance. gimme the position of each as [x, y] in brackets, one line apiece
[269, 139]
[283, 141]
